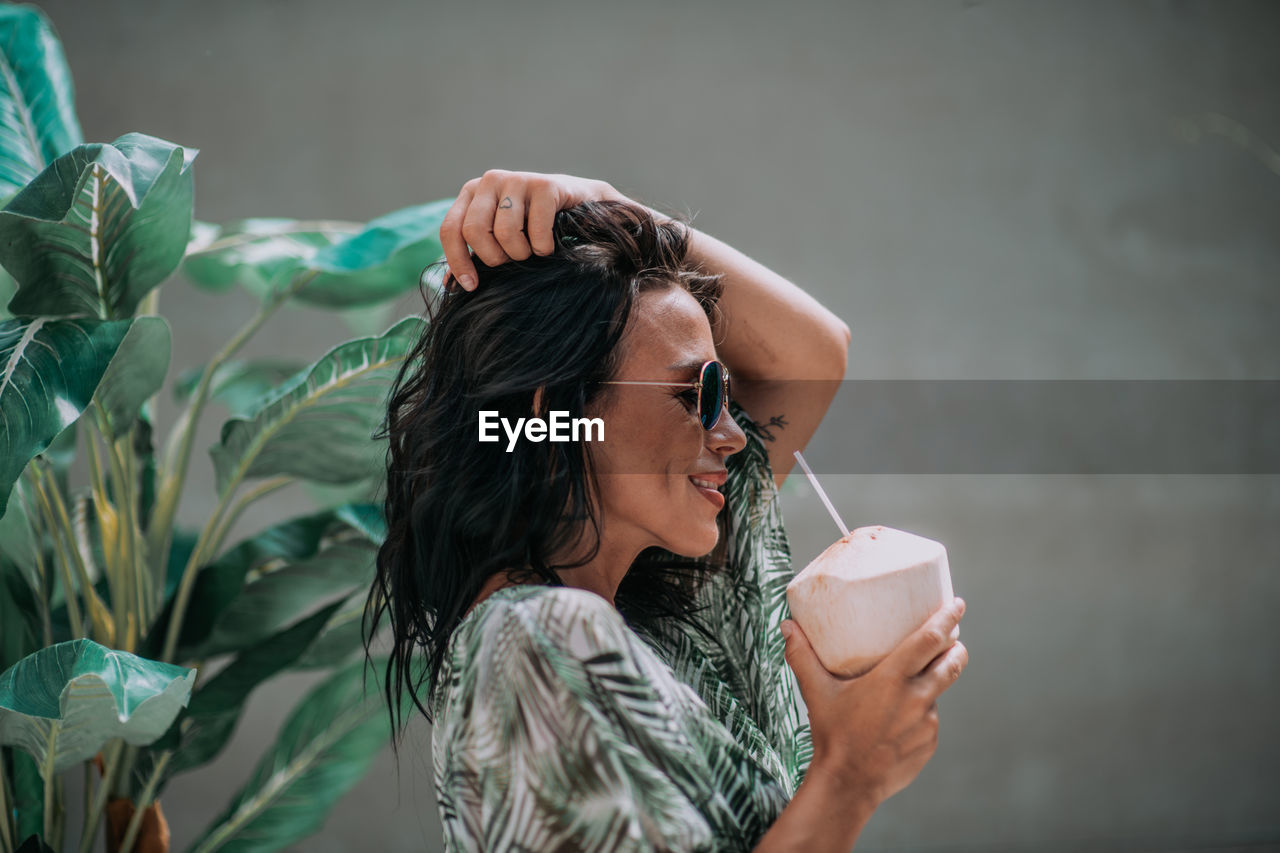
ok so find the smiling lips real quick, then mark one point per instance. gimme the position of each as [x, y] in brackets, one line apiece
[708, 484]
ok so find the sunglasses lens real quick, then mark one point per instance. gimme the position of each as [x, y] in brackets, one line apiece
[711, 394]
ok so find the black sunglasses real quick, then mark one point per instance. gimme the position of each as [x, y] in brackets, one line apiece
[713, 391]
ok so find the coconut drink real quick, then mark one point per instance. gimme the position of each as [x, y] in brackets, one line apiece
[866, 593]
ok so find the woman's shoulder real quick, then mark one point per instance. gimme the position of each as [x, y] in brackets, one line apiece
[560, 620]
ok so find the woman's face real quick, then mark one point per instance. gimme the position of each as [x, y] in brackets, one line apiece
[654, 446]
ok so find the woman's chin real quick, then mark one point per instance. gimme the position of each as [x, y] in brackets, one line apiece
[696, 544]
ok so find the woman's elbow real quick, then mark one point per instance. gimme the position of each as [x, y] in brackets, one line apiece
[838, 336]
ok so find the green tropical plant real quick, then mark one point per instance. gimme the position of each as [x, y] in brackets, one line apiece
[127, 642]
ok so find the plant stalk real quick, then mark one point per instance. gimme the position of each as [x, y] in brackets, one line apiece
[297, 227]
[166, 504]
[107, 515]
[47, 772]
[144, 802]
[285, 776]
[126, 533]
[60, 818]
[96, 609]
[64, 562]
[263, 489]
[88, 787]
[8, 839]
[177, 452]
[110, 759]
[149, 601]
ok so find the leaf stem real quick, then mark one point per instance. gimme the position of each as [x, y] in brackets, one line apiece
[175, 472]
[8, 840]
[265, 488]
[110, 758]
[47, 772]
[120, 781]
[60, 818]
[150, 305]
[124, 559]
[88, 787]
[279, 781]
[297, 227]
[144, 802]
[59, 546]
[108, 533]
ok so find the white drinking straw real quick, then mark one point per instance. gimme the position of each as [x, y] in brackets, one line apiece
[825, 500]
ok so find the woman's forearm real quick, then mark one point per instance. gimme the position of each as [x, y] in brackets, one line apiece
[771, 328]
[824, 816]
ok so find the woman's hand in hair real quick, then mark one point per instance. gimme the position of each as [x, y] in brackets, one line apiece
[507, 216]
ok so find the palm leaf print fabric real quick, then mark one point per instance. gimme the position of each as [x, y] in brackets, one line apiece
[559, 726]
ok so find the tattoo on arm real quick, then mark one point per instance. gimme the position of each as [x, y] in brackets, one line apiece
[775, 422]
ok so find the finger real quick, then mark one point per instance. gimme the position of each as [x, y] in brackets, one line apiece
[542, 219]
[477, 226]
[508, 222]
[915, 652]
[456, 253]
[944, 671]
[810, 673]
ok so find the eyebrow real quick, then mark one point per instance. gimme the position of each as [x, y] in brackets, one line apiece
[695, 364]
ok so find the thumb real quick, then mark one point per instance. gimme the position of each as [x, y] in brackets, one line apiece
[802, 659]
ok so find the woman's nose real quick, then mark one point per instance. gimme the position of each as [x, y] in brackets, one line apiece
[726, 437]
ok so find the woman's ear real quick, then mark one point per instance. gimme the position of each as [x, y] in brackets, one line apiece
[538, 411]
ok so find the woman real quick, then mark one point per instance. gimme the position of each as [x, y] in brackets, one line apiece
[601, 619]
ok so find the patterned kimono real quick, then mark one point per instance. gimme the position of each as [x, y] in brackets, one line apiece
[559, 726]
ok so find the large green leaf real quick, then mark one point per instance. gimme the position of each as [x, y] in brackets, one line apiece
[368, 518]
[260, 254]
[37, 100]
[63, 703]
[353, 265]
[383, 261]
[323, 749]
[136, 372]
[49, 371]
[202, 730]
[319, 426]
[239, 385]
[100, 227]
[343, 635]
[279, 596]
[219, 585]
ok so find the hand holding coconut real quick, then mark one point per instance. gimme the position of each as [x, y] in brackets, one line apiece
[874, 733]
[873, 643]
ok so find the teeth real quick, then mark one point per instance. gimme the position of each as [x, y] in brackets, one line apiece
[706, 484]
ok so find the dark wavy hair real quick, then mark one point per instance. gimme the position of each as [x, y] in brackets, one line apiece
[459, 511]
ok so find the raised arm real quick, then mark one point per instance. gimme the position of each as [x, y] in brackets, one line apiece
[785, 352]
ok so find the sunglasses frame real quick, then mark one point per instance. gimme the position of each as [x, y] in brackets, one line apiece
[700, 385]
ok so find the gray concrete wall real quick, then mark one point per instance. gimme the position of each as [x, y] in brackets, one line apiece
[982, 190]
